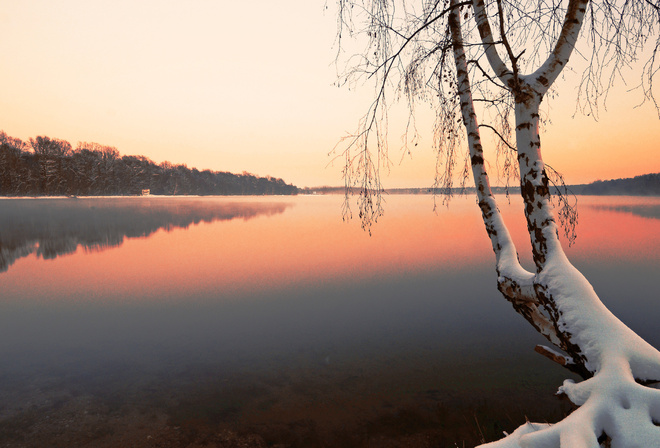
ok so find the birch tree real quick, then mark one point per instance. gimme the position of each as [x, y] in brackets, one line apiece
[447, 54]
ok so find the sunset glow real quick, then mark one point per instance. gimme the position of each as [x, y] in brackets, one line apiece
[247, 87]
[261, 254]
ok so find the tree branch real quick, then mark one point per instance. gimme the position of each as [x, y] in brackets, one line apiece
[657, 8]
[505, 41]
[483, 72]
[543, 78]
[499, 135]
[499, 67]
[409, 39]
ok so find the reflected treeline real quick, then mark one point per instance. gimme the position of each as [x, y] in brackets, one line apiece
[643, 210]
[53, 227]
[51, 167]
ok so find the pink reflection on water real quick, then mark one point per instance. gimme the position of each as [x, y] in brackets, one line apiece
[618, 227]
[309, 244]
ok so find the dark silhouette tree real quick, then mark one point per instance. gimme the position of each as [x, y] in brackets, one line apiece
[48, 166]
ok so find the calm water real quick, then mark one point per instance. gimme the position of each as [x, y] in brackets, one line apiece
[128, 318]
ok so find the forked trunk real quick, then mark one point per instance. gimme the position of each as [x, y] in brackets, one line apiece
[515, 283]
[616, 406]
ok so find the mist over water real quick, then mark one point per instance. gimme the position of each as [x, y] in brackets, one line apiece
[57, 226]
[259, 311]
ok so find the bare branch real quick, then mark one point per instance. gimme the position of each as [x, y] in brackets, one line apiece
[505, 41]
[550, 70]
[500, 69]
[485, 73]
[513, 148]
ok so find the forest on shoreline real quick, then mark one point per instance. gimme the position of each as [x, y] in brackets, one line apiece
[45, 166]
[644, 185]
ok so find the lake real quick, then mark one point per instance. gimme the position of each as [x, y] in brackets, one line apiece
[268, 321]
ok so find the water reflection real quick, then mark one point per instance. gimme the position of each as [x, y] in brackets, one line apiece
[644, 210]
[53, 227]
[297, 326]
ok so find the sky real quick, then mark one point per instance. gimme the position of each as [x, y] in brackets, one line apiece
[245, 86]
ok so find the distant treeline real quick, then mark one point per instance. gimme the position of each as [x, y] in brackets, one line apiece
[51, 167]
[645, 185]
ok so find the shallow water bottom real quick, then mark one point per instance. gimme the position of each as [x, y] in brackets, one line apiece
[424, 397]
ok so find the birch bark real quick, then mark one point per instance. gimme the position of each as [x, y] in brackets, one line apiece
[515, 283]
[615, 402]
[617, 408]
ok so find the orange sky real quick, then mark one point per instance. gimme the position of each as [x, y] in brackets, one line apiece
[241, 86]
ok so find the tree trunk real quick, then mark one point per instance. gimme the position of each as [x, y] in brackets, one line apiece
[533, 179]
[616, 406]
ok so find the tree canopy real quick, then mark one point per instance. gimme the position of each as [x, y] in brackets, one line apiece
[403, 49]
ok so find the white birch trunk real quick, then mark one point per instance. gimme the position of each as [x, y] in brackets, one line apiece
[617, 407]
[514, 282]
